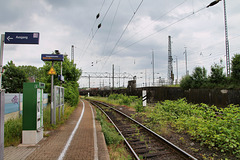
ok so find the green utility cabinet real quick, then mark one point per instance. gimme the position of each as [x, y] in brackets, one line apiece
[32, 112]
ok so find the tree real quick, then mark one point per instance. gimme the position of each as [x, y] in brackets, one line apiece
[31, 71]
[199, 77]
[235, 75]
[186, 82]
[217, 76]
[71, 76]
[13, 78]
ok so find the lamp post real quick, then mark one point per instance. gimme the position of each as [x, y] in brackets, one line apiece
[226, 34]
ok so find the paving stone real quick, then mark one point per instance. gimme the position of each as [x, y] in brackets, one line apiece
[81, 147]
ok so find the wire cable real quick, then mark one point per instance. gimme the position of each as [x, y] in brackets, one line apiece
[154, 21]
[160, 30]
[124, 31]
[93, 35]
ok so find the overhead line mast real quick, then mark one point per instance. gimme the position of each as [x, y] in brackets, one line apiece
[170, 59]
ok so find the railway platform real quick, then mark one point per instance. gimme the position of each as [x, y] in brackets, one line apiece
[79, 138]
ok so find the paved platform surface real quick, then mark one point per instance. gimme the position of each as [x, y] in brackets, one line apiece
[79, 138]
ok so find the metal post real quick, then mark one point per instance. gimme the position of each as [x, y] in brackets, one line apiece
[2, 108]
[61, 74]
[2, 102]
[153, 65]
[19, 105]
[1, 58]
[89, 81]
[186, 59]
[113, 77]
[59, 110]
[53, 111]
[226, 40]
[109, 80]
[119, 76]
[144, 98]
[145, 78]
[63, 101]
[177, 68]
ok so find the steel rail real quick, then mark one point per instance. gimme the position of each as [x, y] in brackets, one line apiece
[155, 134]
[129, 146]
[176, 148]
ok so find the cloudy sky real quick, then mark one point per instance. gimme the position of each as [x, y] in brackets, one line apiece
[131, 30]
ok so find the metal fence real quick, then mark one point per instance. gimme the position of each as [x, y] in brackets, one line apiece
[58, 102]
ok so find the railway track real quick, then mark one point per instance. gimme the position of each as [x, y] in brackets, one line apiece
[141, 141]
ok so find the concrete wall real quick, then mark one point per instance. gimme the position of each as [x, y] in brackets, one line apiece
[13, 105]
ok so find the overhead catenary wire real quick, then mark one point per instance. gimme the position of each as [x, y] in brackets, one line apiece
[143, 27]
[124, 30]
[91, 30]
[154, 21]
[159, 30]
[99, 26]
[113, 20]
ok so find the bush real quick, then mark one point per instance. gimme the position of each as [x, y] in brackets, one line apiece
[13, 132]
[139, 106]
[71, 94]
[216, 128]
[186, 82]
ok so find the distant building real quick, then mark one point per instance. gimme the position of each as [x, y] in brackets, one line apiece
[31, 79]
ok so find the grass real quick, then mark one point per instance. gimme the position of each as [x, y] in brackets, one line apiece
[13, 132]
[113, 140]
[133, 102]
[46, 117]
[13, 127]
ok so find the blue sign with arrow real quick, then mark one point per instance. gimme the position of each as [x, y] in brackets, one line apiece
[21, 38]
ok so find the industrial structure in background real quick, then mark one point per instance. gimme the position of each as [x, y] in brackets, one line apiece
[110, 76]
[170, 60]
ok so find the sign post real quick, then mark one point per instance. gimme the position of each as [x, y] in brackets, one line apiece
[144, 98]
[11, 38]
[52, 72]
[53, 113]
[2, 102]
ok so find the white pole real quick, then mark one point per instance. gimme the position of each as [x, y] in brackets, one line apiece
[144, 98]
[1, 58]
[2, 102]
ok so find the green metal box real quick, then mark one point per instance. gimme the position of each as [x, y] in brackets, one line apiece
[33, 105]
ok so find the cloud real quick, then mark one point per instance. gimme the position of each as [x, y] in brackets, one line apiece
[65, 23]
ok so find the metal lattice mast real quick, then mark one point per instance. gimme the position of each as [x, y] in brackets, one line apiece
[226, 40]
[72, 54]
[170, 59]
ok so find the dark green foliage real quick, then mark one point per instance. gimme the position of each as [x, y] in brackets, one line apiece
[13, 78]
[217, 78]
[71, 93]
[110, 133]
[216, 128]
[71, 75]
[235, 75]
[30, 71]
[199, 77]
[128, 100]
[186, 82]
[217, 75]
[139, 106]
